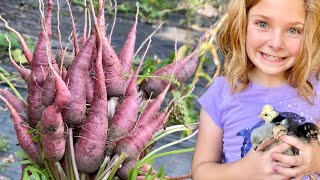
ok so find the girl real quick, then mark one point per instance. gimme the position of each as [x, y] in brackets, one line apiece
[270, 49]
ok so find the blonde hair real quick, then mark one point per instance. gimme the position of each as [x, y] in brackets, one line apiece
[231, 41]
[312, 41]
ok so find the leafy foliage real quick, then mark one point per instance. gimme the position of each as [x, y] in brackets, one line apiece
[149, 9]
[4, 147]
[153, 10]
[37, 172]
[17, 53]
[151, 64]
[4, 144]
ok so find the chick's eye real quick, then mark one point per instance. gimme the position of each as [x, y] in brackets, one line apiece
[265, 115]
[262, 25]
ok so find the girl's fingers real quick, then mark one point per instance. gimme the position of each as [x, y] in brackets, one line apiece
[282, 164]
[293, 141]
[282, 147]
[286, 159]
[288, 172]
[265, 144]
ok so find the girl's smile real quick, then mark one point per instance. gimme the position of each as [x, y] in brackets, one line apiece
[272, 59]
[273, 43]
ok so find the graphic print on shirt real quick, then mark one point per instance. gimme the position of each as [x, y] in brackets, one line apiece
[246, 133]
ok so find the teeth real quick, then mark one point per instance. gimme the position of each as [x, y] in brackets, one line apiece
[274, 58]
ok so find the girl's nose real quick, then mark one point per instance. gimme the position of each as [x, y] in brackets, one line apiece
[276, 41]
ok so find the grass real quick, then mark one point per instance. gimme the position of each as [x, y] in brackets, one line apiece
[4, 144]
[4, 147]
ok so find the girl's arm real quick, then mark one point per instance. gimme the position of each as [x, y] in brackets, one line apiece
[207, 159]
[307, 162]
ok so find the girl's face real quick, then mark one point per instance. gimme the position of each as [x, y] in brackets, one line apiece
[274, 36]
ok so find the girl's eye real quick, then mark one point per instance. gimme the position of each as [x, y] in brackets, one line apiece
[262, 25]
[293, 31]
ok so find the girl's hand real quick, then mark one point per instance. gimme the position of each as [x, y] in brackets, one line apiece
[262, 162]
[307, 162]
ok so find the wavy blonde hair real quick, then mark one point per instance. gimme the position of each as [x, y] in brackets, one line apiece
[231, 41]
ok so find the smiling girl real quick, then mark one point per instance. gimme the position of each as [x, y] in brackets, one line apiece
[270, 49]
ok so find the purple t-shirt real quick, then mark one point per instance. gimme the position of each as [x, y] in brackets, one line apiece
[237, 114]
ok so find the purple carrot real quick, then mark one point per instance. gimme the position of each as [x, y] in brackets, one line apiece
[17, 103]
[127, 51]
[153, 107]
[48, 91]
[115, 80]
[23, 136]
[134, 143]
[182, 70]
[126, 114]
[90, 146]
[75, 114]
[49, 88]
[39, 69]
[51, 123]
[90, 77]
[52, 133]
[123, 172]
[24, 72]
[89, 88]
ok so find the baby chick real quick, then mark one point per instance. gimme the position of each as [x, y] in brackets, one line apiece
[264, 132]
[308, 131]
[268, 114]
[277, 125]
[261, 133]
[274, 126]
[304, 132]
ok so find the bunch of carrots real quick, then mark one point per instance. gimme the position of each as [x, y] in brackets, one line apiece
[88, 107]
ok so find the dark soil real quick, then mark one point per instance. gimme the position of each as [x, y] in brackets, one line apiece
[23, 15]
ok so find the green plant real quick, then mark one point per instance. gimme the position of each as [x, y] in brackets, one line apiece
[17, 53]
[150, 65]
[4, 143]
[153, 10]
[35, 171]
[184, 110]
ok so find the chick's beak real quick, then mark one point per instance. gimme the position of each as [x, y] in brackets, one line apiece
[260, 116]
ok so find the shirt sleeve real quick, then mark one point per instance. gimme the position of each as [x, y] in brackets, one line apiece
[209, 101]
